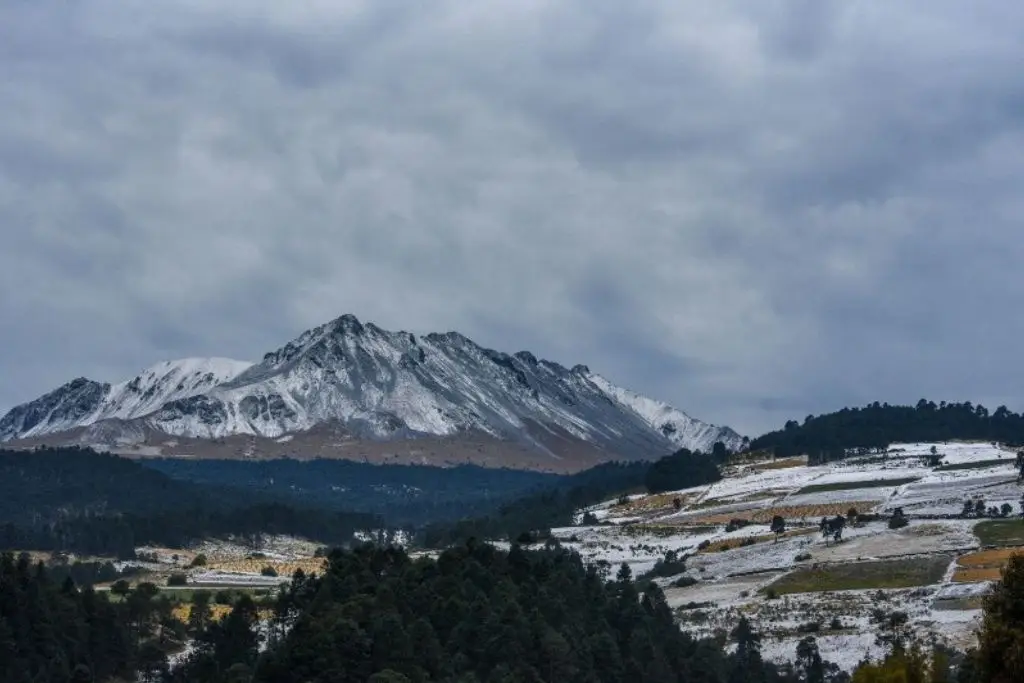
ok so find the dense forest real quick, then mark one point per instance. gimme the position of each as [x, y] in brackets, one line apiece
[77, 500]
[475, 614]
[875, 426]
[53, 631]
[478, 614]
[401, 494]
[74, 499]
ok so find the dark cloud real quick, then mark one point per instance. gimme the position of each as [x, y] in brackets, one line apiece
[753, 210]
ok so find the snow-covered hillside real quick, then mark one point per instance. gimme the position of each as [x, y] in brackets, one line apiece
[803, 584]
[83, 402]
[674, 424]
[378, 385]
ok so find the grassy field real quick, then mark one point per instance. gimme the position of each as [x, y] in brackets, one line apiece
[864, 575]
[977, 465]
[852, 485]
[1006, 532]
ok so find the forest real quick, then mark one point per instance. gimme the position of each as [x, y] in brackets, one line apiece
[475, 614]
[876, 426]
[72, 499]
[401, 494]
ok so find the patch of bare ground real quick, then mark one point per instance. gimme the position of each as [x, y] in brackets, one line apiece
[764, 515]
[986, 565]
[730, 543]
[781, 464]
[658, 502]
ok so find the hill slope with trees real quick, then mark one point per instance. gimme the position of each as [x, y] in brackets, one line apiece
[875, 426]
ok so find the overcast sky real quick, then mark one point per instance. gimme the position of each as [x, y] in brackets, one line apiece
[752, 210]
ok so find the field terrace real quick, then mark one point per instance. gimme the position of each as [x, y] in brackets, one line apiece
[937, 568]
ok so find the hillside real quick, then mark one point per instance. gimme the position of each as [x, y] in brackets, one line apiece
[353, 390]
[726, 559]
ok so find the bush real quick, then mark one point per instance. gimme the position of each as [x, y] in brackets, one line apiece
[898, 520]
[704, 545]
[802, 557]
[836, 624]
[223, 598]
[809, 627]
[670, 565]
[177, 580]
[684, 581]
[771, 594]
[198, 561]
[735, 524]
[268, 571]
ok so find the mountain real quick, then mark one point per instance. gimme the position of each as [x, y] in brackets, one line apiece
[355, 390]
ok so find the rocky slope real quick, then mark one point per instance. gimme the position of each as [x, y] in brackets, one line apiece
[371, 385]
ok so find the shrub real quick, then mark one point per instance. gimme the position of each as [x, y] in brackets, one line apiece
[836, 624]
[670, 565]
[898, 520]
[177, 580]
[198, 561]
[771, 594]
[684, 581]
[809, 627]
[222, 598]
[703, 545]
[802, 557]
[268, 571]
[735, 524]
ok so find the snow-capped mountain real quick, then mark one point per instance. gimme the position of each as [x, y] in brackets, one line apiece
[378, 385]
[83, 402]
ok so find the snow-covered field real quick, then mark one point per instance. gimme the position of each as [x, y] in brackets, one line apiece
[734, 580]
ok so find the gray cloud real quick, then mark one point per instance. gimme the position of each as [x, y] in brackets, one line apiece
[753, 210]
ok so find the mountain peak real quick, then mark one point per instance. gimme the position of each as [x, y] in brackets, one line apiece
[349, 324]
[376, 385]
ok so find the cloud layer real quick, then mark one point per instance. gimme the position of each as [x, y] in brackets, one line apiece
[753, 210]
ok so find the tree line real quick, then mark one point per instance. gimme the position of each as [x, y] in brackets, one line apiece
[876, 426]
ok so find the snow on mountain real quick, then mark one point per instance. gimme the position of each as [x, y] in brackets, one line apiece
[83, 402]
[378, 385]
[674, 424]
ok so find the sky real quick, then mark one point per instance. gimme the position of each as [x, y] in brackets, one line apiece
[755, 211]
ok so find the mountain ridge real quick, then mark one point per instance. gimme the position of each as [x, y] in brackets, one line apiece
[375, 385]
